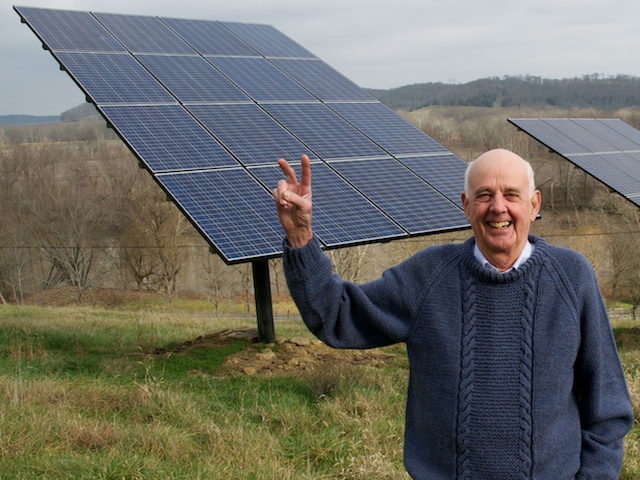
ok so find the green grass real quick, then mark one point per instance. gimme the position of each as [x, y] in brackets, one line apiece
[83, 396]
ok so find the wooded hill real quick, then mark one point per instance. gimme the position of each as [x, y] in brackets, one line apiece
[589, 91]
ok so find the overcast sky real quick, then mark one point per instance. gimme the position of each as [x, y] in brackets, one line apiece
[376, 43]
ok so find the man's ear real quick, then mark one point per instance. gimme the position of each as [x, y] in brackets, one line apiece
[465, 203]
[536, 202]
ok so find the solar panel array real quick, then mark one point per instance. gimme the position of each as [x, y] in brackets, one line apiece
[607, 149]
[208, 107]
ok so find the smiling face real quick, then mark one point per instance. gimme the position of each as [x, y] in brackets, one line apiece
[500, 206]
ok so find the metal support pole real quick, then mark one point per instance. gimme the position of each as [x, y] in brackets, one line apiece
[264, 310]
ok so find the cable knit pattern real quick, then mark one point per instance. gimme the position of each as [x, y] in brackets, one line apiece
[466, 378]
[512, 376]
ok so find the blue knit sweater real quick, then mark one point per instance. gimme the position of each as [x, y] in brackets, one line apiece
[512, 376]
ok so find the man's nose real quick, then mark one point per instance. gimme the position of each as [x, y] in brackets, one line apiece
[498, 203]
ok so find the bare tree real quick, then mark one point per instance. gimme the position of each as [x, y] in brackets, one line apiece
[215, 279]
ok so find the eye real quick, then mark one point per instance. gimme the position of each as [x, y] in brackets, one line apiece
[483, 197]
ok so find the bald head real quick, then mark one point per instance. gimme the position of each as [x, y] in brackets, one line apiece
[500, 158]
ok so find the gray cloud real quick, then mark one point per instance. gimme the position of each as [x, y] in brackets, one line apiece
[376, 43]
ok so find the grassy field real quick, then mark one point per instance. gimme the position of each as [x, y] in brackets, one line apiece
[86, 395]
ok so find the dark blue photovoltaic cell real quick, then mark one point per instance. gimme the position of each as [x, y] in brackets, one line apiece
[141, 34]
[624, 129]
[63, 30]
[607, 149]
[416, 206]
[114, 78]
[210, 38]
[549, 135]
[268, 41]
[322, 80]
[388, 129]
[445, 173]
[585, 138]
[250, 133]
[341, 216]
[260, 79]
[322, 130]
[616, 170]
[192, 78]
[167, 138]
[229, 208]
[601, 136]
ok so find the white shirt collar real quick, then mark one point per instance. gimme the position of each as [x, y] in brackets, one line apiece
[524, 256]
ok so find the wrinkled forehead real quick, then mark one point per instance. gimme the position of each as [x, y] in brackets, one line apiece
[499, 173]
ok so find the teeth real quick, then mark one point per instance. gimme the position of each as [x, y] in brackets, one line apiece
[499, 224]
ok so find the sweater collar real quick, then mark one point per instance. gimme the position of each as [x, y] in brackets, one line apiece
[524, 256]
[475, 267]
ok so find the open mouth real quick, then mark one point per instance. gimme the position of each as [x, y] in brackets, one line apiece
[499, 224]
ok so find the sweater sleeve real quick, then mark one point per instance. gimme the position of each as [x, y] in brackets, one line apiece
[605, 406]
[343, 314]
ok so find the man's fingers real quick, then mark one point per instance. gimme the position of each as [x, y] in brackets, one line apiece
[305, 175]
[288, 171]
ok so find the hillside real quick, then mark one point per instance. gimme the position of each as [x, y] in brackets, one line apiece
[9, 120]
[589, 91]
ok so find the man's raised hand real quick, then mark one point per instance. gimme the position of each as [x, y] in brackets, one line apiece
[293, 203]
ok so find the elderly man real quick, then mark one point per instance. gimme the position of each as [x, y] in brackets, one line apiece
[514, 372]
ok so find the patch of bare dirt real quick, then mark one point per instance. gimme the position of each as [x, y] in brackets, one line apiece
[288, 356]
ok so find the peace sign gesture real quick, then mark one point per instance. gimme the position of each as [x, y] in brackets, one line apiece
[293, 203]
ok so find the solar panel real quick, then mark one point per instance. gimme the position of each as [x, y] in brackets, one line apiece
[323, 131]
[192, 79]
[113, 78]
[322, 80]
[249, 132]
[63, 30]
[445, 173]
[209, 38]
[167, 138]
[607, 149]
[208, 107]
[422, 209]
[230, 209]
[141, 34]
[268, 41]
[260, 79]
[341, 216]
[388, 129]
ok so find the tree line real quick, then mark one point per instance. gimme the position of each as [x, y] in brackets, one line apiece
[78, 212]
[589, 91]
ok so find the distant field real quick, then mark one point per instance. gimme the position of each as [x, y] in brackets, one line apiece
[106, 393]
